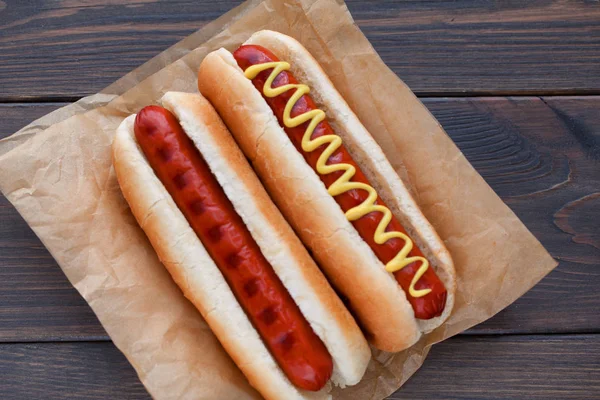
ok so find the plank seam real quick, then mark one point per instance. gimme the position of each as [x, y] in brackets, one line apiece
[477, 335]
[422, 95]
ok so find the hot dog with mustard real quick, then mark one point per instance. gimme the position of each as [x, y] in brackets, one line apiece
[334, 185]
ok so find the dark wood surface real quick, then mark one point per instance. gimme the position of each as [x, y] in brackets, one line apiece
[486, 367]
[437, 47]
[540, 154]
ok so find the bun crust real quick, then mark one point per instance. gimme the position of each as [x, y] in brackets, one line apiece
[311, 291]
[375, 297]
[182, 253]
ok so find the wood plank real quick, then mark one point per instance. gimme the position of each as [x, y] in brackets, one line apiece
[509, 367]
[480, 47]
[540, 155]
[526, 367]
[64, 49]
[16, 116]
[83, 370]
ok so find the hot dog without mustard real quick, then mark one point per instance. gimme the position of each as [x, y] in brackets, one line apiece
[391, 238]
[187, 178]
[240, 264]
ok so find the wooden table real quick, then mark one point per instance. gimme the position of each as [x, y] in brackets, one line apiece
[516, 84]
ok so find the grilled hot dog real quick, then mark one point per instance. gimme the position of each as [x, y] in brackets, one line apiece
[187, 178]
[233, 254]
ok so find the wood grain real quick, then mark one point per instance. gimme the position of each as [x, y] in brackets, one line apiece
[539, 162]
[509, 367]
[68, 49]
[525, 367]
[579, 218]
[16, 116]
[67, 371]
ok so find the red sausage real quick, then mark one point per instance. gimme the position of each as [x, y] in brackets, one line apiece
[186, 176]
[426, 307]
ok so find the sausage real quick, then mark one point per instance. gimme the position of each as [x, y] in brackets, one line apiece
[180, 167]
[426, 307]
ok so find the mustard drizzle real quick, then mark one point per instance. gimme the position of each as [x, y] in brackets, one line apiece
[343, 183]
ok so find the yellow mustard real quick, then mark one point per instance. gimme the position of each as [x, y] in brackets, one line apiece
[343, 183]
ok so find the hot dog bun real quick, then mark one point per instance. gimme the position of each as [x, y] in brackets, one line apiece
[375, 297]
[183, 254]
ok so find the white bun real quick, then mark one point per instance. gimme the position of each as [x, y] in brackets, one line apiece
[375, 298]
[182, 253]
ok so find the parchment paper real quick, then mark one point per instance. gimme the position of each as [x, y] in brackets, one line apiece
[57, 172]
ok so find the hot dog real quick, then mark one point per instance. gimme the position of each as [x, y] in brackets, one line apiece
[232, 253]
[350, 207]
[426, 307]
[187, 178]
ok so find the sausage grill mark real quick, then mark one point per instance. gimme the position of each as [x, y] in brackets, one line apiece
[177, 163]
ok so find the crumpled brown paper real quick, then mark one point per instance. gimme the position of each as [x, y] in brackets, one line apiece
[58, 174]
